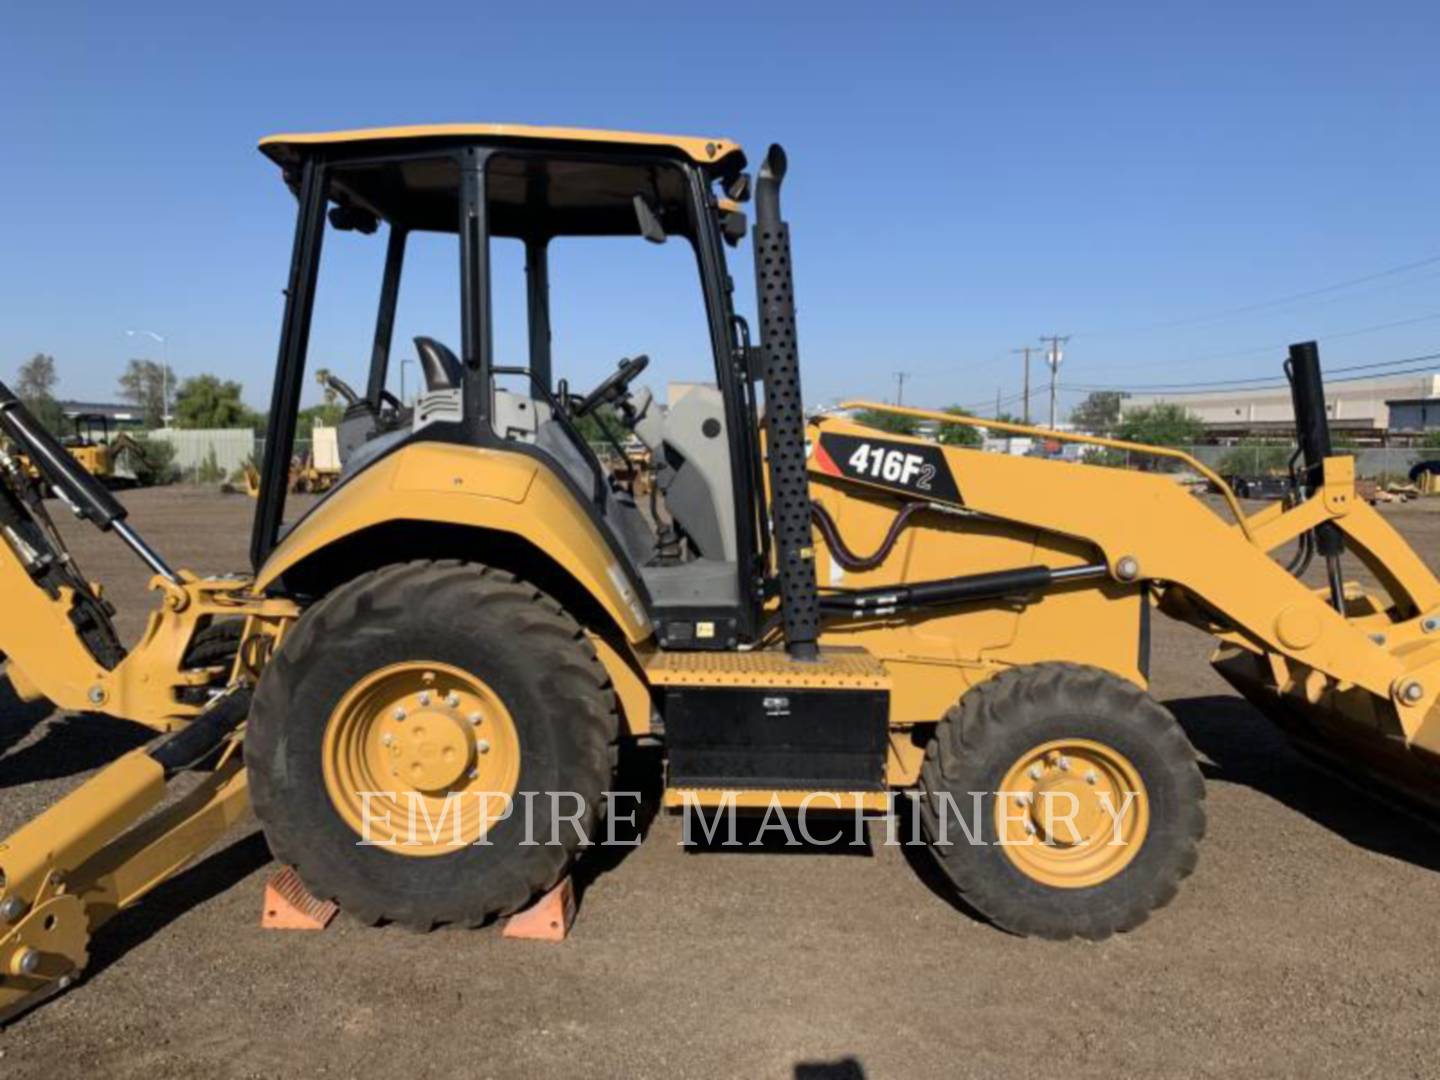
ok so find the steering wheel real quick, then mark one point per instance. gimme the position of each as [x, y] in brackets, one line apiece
[613, 387]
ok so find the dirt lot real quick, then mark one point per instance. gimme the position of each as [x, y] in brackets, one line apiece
[1305, 944]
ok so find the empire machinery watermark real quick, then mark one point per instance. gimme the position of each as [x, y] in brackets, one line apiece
[819, 819]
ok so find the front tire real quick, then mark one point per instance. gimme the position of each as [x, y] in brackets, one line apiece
[1089, 805]
[430, 685]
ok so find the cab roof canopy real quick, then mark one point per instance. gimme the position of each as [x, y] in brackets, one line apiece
[591, 193]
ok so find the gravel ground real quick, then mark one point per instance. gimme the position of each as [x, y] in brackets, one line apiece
[1305, 943]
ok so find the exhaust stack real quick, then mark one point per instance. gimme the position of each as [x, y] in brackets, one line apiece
[784, 416]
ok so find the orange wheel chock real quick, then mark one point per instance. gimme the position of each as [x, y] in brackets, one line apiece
[548, 919]
[289, 905]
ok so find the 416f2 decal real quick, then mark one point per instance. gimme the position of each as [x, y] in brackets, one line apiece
[915, 468]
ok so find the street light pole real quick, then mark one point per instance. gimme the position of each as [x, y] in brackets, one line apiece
[164, 370]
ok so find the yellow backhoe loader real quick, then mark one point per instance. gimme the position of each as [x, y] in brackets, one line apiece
[819, 615]
[91, 444]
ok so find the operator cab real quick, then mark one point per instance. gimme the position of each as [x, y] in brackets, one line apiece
[667, 467]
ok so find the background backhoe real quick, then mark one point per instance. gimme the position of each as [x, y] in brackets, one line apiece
[803, 613]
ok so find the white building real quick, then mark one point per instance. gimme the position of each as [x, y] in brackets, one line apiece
[1358, 406]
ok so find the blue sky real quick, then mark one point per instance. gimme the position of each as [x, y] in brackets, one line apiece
[964, 178]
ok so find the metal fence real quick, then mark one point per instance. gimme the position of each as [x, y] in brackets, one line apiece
[231, 448]
[1381, 463]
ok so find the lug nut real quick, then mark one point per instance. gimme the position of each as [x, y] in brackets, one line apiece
[482, 745]
[1029, 828]
[452, 699]
[475, 719]
[424, 697]
[11, 908]
[1036, 772]
[1063, 763]
[387, 739]
[1092, 777]
[399, 713]
[25, 962]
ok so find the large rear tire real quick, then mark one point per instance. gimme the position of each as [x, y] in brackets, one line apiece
[1089, 805]
[430, 685]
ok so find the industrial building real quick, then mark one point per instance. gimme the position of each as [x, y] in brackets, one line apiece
[1378, 408]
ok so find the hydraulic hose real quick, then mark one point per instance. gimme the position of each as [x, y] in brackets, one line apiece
[842, 553]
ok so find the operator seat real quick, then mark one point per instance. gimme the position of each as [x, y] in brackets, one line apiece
[441, 367]
[442, 370]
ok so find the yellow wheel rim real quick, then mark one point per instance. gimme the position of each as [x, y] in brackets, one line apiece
[1072, 813]
[421, 758]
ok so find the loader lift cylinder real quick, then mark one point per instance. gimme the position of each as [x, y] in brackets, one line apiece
[1312, 431]
[784, 416]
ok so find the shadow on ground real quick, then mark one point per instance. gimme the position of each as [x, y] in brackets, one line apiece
[847, 1068]
[212, 875]
[635, 802]
[69, 745]
[1243, 747]
[18, 718]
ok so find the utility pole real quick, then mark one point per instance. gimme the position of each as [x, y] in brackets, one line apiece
[1053, 356]
[900, 377]
[1027, 350]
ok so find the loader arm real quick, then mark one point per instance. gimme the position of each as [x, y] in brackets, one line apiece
[1147, 527]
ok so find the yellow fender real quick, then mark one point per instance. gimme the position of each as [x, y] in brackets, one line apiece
[482, 488]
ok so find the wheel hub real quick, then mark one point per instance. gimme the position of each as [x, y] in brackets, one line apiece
[1072, 813]
[421, 757]
[433, 749]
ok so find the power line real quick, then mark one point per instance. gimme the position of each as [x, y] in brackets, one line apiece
[1336, 374]
[1281, 346]
[1246, 309]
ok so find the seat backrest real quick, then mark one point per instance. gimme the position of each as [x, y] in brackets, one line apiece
[442, 368]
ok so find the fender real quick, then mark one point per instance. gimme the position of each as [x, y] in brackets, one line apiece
[483, 488]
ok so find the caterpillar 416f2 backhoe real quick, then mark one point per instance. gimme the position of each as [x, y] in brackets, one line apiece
[478, 611]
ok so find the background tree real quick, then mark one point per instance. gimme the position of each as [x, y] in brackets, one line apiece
[1431, 441]
[593, 427]
[887, 421]
[1165, 424]
[324, 415]
[1253, 458]
[143, 385]
[35, 386]
[1099, 413]
[154, 461]
[207, 401]
[958, 434]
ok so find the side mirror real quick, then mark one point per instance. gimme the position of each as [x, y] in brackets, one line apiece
[649, 221]
[353, 219]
